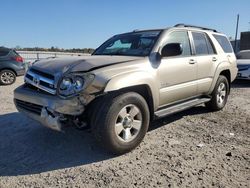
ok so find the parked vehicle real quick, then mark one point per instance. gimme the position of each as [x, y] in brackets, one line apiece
[11, 65]
[243, 64]
[130, 80]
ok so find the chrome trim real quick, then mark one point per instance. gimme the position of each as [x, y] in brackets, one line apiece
[37, 84]
[41, 77]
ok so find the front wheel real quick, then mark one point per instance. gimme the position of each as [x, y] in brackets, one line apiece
[121, 122]
[219, 95]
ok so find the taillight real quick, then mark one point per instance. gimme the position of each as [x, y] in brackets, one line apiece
[18, 59]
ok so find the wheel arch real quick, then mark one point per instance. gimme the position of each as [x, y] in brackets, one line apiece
[222, 69]
[143, 90]
[140, 82]
[1, 69]
[227, 74]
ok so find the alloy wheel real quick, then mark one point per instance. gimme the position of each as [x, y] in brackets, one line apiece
[221, 94]
[7, 77]
[128, 123]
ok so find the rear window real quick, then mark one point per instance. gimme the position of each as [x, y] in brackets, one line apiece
[15, 53]
[3, 52]
[224, 43]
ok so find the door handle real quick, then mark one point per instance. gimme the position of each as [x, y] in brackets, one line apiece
[214, 59]
[192, 61]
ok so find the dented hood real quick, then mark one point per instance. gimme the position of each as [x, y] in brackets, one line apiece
[82, 63]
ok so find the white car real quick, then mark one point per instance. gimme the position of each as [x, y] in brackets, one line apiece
[243, 64]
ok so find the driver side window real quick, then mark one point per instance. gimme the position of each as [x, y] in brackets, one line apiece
[182, 38]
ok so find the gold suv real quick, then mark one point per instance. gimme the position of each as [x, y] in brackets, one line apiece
[130, 80]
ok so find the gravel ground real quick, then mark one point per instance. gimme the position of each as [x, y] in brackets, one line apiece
[195, 148]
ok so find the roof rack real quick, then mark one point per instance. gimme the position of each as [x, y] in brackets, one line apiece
[194, 26]
[135, 30]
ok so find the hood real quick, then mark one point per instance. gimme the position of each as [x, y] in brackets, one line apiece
[82, 63]
[243, 61]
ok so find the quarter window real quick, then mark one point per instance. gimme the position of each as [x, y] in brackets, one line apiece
[224, 43]
[182, 38]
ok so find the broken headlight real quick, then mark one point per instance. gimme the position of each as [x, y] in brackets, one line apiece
[73, 84]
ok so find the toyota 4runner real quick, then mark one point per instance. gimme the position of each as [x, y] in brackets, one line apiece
[128, 81]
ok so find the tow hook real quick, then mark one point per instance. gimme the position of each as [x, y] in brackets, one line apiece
[79, 123]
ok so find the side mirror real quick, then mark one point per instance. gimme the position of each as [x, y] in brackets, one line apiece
[171, 49]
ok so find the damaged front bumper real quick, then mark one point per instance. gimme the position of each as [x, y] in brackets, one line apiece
[49, 110]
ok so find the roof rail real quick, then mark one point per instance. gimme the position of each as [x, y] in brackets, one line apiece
[194, 26]
[135, 30]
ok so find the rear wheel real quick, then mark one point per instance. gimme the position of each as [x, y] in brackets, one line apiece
[120, 122]
[7, 77]
[219, 95]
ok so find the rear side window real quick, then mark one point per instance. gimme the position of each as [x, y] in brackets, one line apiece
[202, 44]
[3, 52]
[224, 43]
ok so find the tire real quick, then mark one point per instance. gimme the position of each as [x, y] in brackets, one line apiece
[120, 122]
[219, 94]
[7, 77]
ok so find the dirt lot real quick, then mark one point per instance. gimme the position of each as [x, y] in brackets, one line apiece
[195, 148]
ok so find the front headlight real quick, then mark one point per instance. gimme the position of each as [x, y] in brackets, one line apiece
[73, 84]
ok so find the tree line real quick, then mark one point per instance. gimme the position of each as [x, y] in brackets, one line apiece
[56, 49]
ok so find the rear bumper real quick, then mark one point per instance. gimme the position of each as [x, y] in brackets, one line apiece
[234, 72]
[47, 109]
[20, 72]
[19, 68]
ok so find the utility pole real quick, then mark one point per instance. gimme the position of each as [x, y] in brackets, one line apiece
[236, 33]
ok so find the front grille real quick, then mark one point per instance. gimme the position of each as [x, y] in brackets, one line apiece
[44, 74]
[41, 80]
[34, 108]
[243, 67]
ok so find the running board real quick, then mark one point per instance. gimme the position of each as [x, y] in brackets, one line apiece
[180, 107]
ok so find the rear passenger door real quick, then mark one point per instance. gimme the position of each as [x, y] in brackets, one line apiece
[206, 58]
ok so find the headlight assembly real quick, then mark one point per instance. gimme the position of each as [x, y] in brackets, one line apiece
[74, 83]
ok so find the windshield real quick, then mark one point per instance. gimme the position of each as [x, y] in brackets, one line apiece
[129, 44]
[244, 55]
